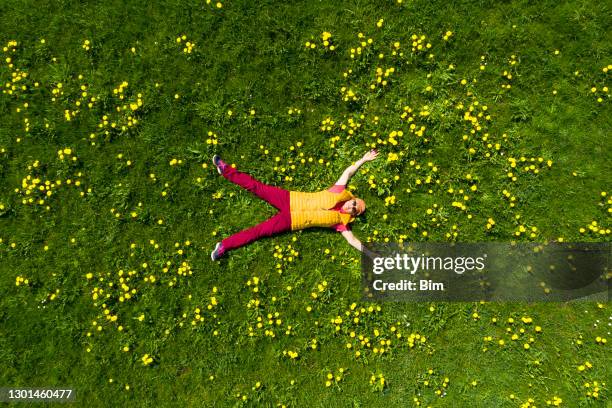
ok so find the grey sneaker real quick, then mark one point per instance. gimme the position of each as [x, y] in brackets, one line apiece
[219, 164]
[216, 253]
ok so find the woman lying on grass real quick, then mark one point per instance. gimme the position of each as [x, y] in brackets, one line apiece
[333, 208]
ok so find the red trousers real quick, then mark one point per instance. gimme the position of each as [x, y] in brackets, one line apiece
[278, 197]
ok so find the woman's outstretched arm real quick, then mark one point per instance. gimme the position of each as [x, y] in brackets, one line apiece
[351, 170]
[352, 239]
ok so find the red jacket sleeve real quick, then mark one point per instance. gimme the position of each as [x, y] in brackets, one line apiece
[336, 188]
[340, 227]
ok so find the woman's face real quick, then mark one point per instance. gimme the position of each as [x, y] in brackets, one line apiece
[350, 207]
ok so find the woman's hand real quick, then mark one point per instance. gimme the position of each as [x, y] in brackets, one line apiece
[371, 155]
[350, 170]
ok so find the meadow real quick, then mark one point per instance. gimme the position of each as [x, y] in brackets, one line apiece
[493, 120]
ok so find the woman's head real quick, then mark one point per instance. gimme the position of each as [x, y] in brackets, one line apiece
[355, 206]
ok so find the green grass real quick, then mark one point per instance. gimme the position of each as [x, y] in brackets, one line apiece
[248, 57]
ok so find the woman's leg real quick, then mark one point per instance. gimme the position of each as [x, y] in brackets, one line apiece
[278, 223]
[276, 196]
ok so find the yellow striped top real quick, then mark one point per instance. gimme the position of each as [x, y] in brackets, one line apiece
[315, 209]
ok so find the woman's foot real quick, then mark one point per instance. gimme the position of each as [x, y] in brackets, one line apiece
[217, 252]
[220, 164]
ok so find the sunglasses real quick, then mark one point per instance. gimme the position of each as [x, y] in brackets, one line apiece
[354, 207]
